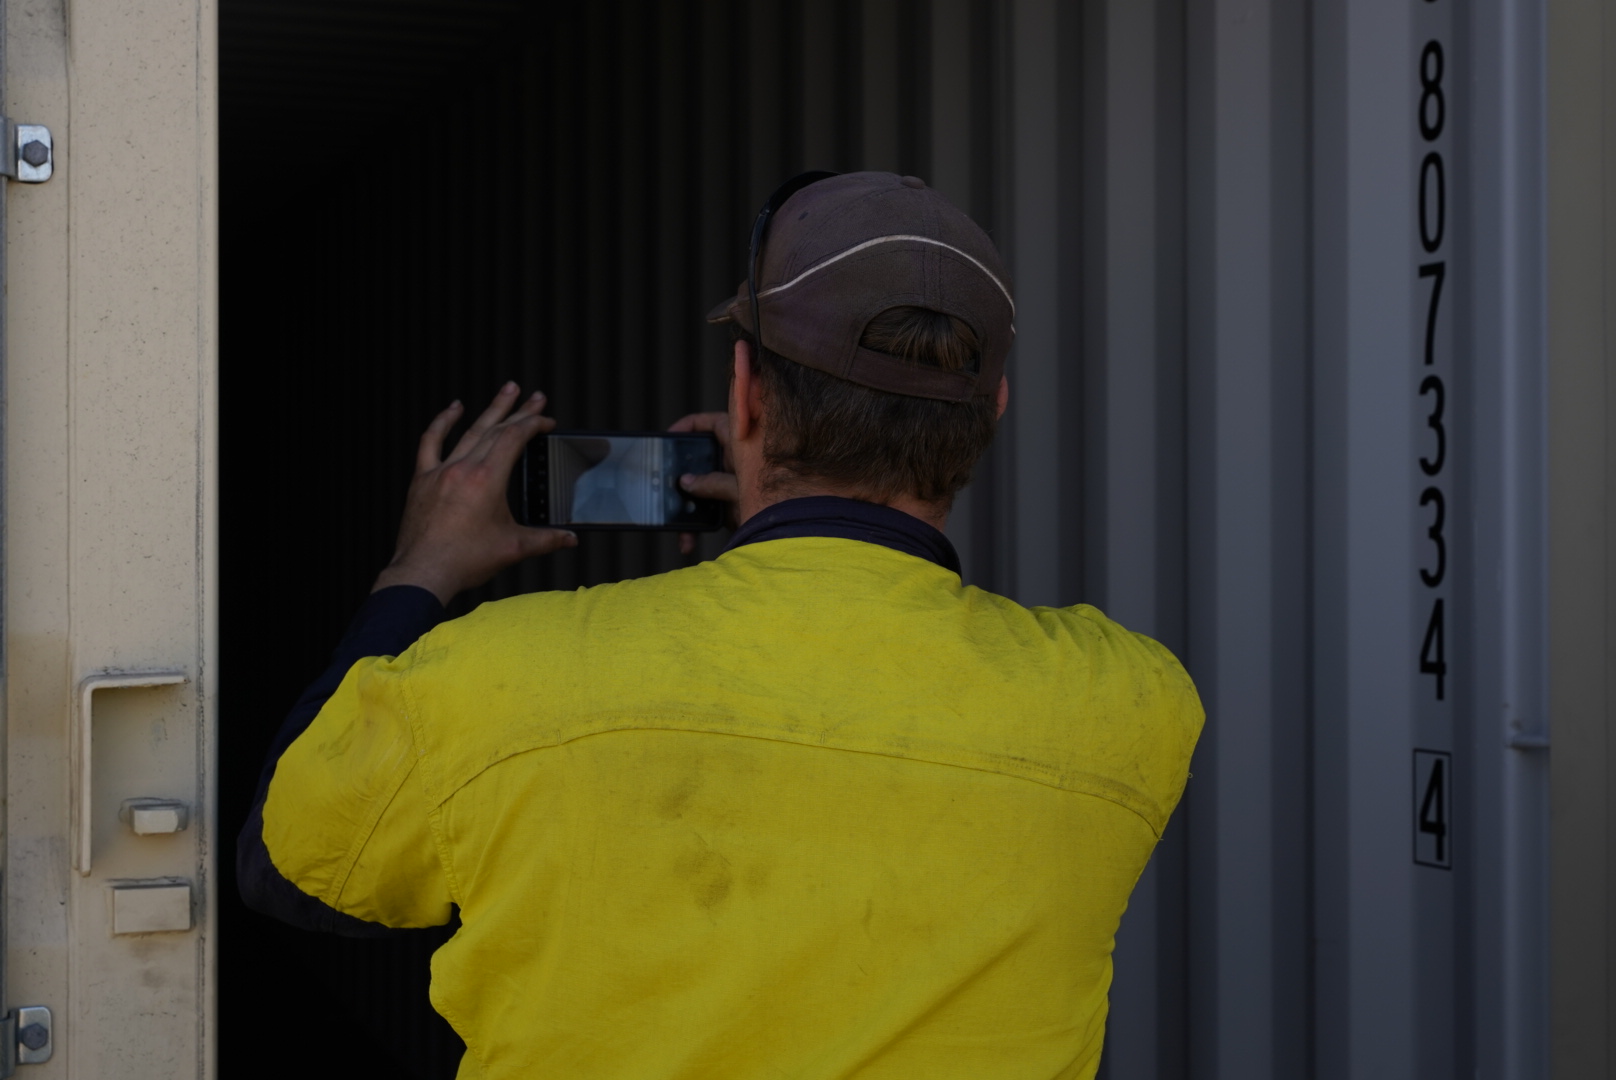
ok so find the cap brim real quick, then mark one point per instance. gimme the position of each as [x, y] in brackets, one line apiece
[723, 313]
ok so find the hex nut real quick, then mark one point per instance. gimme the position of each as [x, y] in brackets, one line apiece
[35, 153]
[33, 1036]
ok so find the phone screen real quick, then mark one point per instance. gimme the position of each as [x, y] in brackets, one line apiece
[614, 481]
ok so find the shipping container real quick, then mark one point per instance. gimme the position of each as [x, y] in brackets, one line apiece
[1311, 383]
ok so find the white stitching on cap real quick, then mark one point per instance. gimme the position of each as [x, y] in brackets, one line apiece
[839, 256]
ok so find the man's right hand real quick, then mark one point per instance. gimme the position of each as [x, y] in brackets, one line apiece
[714, 485]
[458, 530]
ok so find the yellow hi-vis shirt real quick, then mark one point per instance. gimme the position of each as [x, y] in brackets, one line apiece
[811, 810]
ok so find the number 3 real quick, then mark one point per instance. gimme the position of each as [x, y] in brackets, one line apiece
[1432, 384]
[1433, 578]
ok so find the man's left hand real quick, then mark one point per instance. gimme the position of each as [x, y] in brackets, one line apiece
[719, 485]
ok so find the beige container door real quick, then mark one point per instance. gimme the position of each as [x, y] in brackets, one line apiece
[109, 517]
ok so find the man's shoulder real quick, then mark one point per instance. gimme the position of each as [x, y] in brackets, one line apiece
[868, 653]
[746, 582]
[860, 609]
[553, 608]
[1079, 634]
[1109, 644]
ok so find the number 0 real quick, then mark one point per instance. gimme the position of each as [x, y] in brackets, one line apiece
[1432, 166]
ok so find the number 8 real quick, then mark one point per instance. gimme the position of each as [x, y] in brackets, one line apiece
[1431, 83]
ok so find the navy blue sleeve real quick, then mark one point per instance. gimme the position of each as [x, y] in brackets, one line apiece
[390, 621]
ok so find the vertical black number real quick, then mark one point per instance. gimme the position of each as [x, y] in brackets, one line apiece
[1431, 113]
[1432, 384]
[1438, 270]
[1432, 166]
[1434, 809]
[1433, 106]
[1433, 657]
[1433, 578]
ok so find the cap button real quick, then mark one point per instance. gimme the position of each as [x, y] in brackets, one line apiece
[912, 181]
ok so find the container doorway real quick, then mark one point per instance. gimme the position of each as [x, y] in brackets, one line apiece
[420, 199]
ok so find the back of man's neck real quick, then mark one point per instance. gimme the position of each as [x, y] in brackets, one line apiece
[933, 514]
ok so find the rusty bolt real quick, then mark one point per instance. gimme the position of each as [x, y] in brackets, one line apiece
[35, 153]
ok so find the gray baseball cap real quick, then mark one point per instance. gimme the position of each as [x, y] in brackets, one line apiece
[846, 248]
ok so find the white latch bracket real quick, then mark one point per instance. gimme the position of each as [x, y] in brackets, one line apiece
[84, 735]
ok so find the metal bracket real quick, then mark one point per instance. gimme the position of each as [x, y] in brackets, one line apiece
[147, 816]
[84, 732]
[26, 152]
[25, 1038]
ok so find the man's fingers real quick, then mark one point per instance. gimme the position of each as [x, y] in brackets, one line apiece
[687, 543]
[702, 421]
[502, 446]
[532, 406]
[534, 541]
[496, 411]
[532, 409]
[716, 485]
[430, 453]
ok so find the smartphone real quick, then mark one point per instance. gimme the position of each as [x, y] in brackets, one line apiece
[616, 480]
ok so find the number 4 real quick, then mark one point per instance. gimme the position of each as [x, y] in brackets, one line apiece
[1433, 657]
[1433, 810]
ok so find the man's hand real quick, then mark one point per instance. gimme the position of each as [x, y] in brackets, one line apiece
[458, 530]
[714, 485]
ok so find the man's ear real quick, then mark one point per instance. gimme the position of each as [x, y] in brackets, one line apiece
[1004, 395]
[745, 395]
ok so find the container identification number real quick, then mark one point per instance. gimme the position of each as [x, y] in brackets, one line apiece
[1432, 116]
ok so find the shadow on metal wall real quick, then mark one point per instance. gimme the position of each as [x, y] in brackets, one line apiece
[422, 198]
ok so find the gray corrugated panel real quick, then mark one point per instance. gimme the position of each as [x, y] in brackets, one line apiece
[1134, 439]
[1040, 382]
[1247, 514]
[1501, 344]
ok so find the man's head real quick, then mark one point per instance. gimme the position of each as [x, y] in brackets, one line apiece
[886, 316]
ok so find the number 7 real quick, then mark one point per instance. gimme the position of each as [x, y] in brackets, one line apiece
[1438, 270]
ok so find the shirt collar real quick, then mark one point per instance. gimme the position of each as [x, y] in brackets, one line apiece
[848, 519]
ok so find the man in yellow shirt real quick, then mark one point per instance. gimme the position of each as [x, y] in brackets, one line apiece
[812, 809]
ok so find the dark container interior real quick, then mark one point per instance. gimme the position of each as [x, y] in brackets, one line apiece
[420, 199]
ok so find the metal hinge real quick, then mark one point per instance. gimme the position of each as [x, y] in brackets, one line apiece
[26, 152]
[25, 1038]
